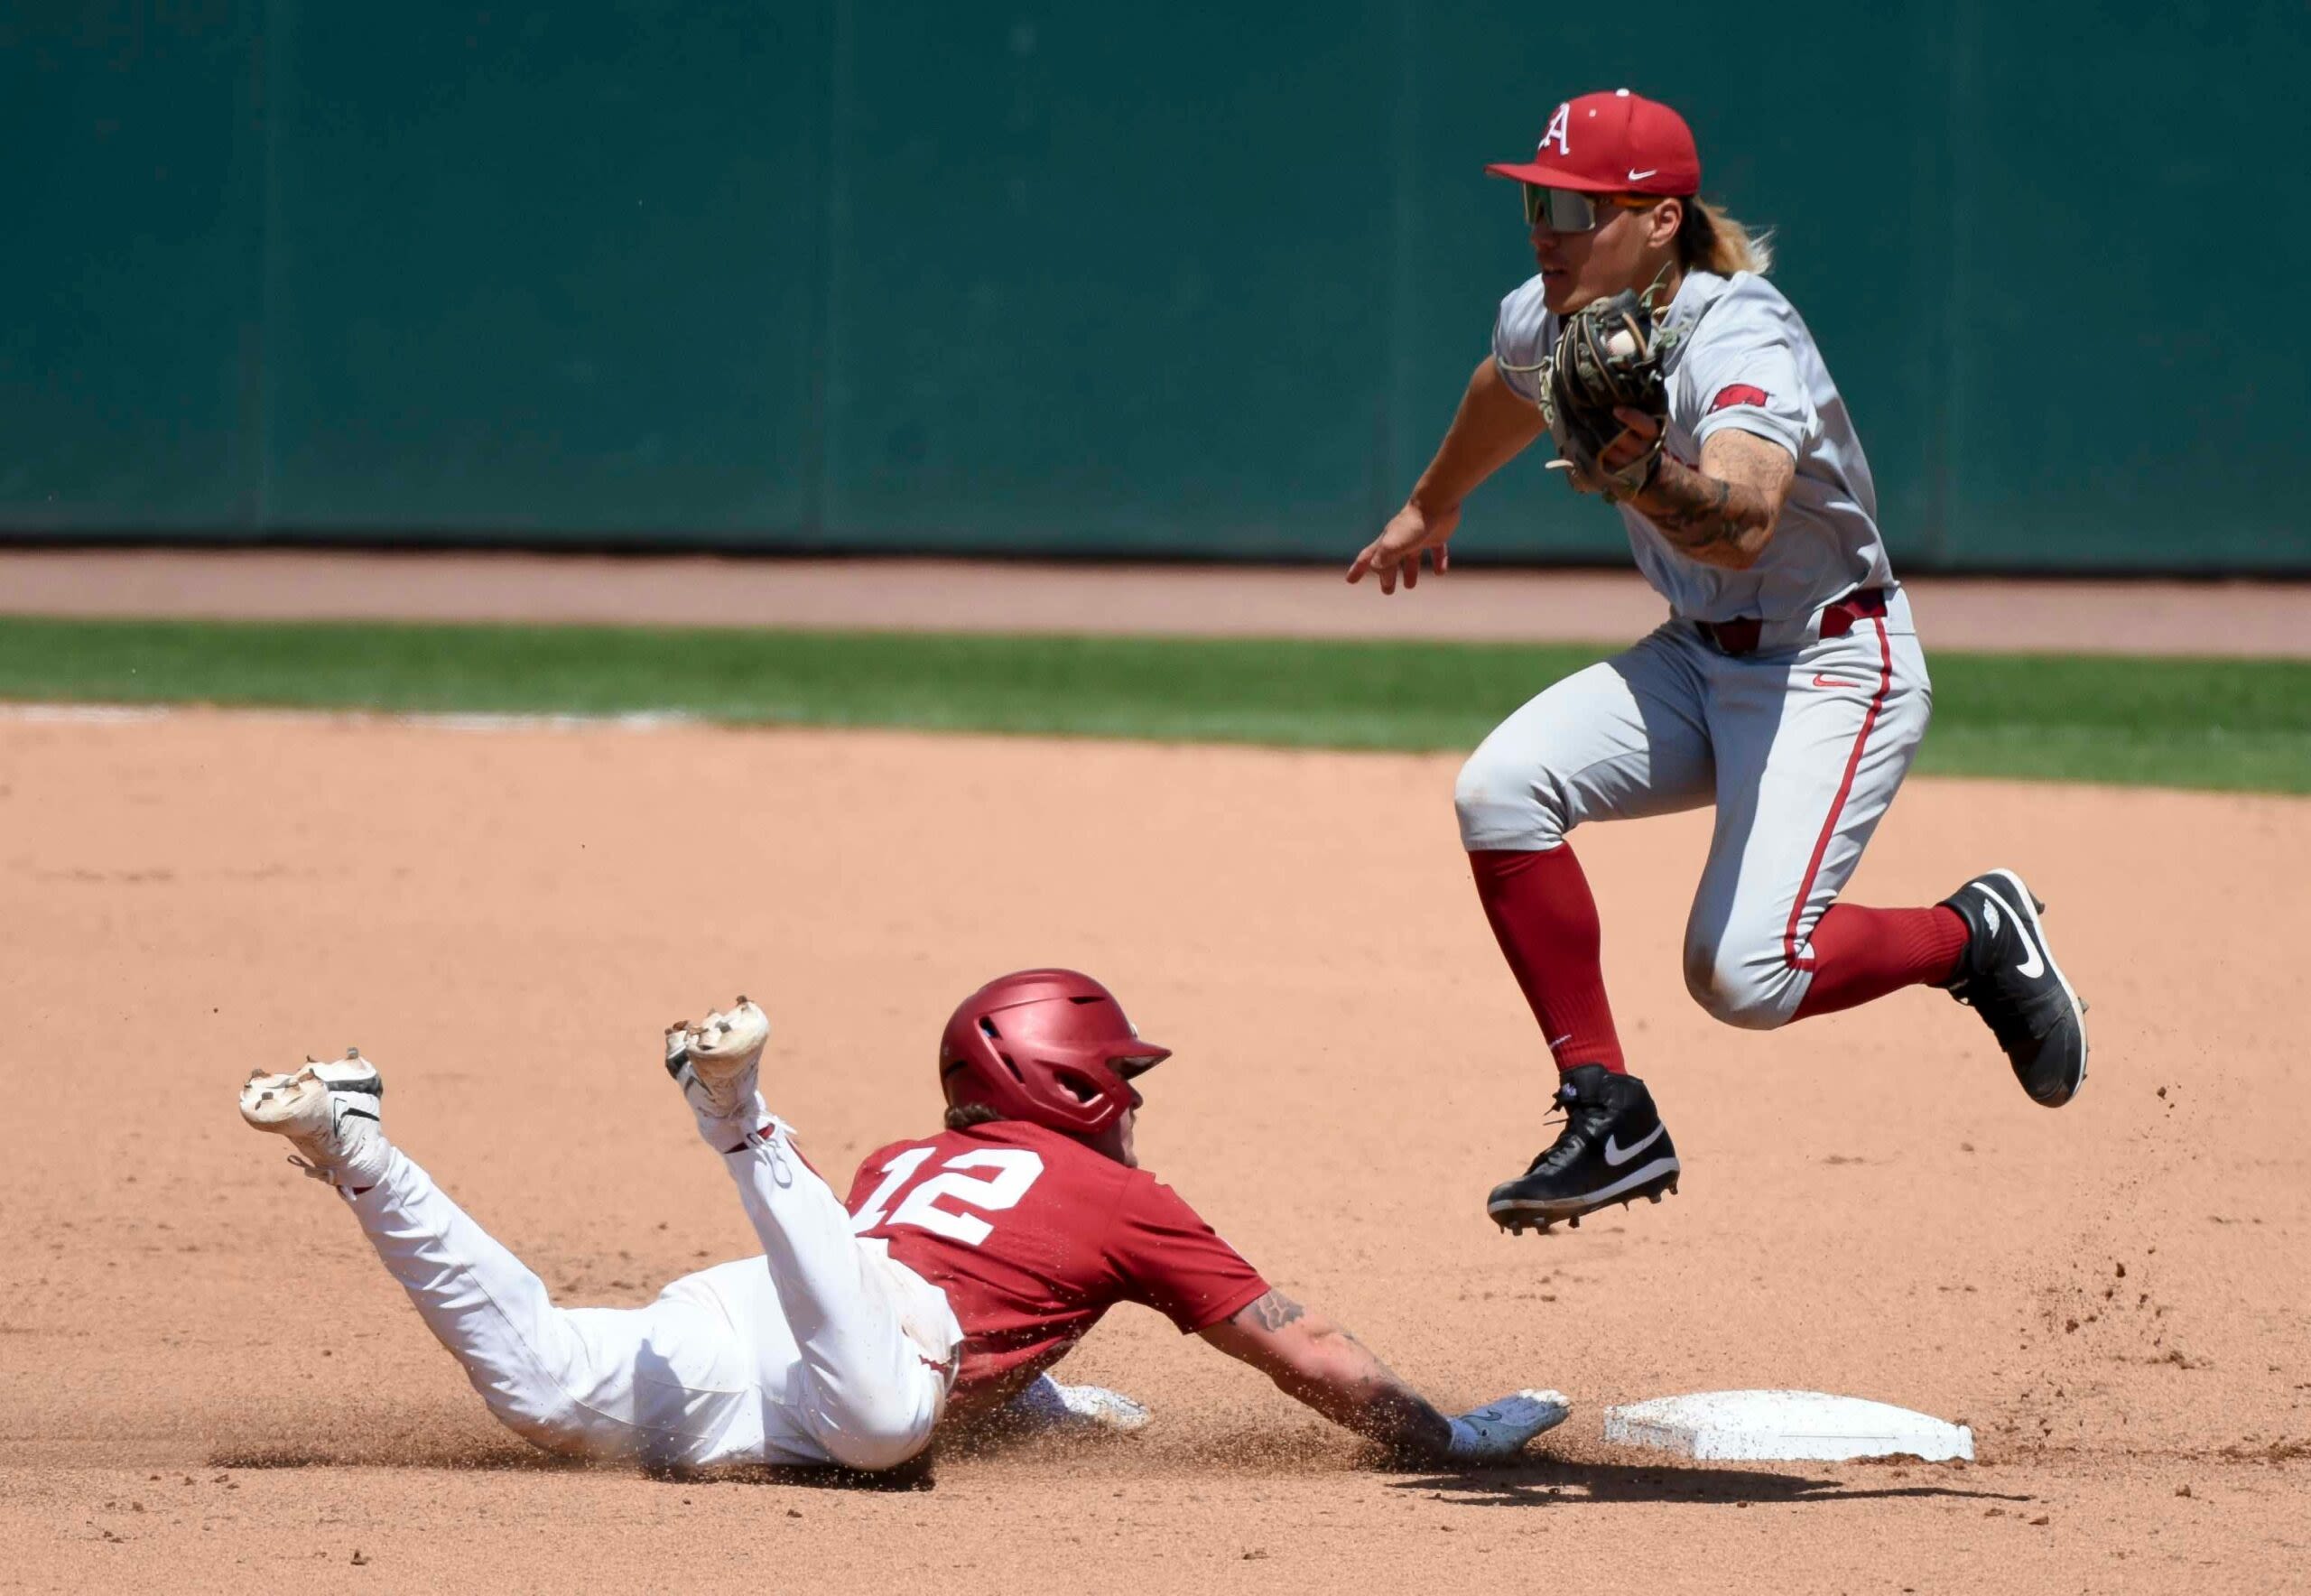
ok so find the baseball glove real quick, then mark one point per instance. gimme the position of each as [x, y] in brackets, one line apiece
[1607, 356]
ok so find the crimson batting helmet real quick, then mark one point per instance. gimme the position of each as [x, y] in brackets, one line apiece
[1049, 1047]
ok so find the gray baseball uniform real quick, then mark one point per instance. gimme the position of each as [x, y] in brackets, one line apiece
[1802, 741]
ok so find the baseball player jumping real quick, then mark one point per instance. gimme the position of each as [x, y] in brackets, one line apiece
[965, 1264]
[1787, 687]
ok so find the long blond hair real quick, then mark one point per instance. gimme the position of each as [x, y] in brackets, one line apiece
[1709, 240]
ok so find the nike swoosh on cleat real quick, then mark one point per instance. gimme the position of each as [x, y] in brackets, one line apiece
[1586, 1202]
[2030, 965]
[1616, 1154]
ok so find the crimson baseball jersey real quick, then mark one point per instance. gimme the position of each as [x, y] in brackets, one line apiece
[1033, 1236]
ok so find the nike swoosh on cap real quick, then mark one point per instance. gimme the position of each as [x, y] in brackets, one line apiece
[1637, 177]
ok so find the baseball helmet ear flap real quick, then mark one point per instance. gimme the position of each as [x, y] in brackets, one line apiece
[1049, 1047]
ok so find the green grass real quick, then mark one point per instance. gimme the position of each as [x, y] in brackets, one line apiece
[2237, 724]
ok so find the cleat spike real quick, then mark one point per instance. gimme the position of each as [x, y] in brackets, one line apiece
[2037, 903]
[1654, 1197]
[1573, 1219]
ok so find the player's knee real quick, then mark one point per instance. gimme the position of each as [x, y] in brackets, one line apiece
[1739, 982]
[1501, 804]
[874, 1435]
[555, 1399]
[542, 1415]
[873, 1456]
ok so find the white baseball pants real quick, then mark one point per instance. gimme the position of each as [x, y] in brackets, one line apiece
[821, 1351]
[1801, 749]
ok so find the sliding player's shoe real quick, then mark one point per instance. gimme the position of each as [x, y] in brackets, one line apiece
[715, 1061]
[331, 1114]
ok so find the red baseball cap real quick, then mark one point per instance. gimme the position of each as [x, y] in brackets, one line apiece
[1612, 143]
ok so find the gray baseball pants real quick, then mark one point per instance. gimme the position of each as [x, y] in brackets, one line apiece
[1801, 749]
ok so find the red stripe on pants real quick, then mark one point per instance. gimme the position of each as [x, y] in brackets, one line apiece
[1837, 806]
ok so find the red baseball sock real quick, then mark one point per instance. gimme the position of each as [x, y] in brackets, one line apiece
[1862, 953]
[1546, 922]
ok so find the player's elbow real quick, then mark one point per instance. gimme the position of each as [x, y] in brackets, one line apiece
[1751, 535]
[1296, 1353]
[1738, 548]
[1752, 543]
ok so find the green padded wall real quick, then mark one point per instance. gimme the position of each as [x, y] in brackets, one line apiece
[1194, 280]
[546, 270]
[131, 350]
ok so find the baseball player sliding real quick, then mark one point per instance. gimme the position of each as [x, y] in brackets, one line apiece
[1787, 687]
[965, 1264]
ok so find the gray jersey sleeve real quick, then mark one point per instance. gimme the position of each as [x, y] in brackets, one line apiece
[1523, 334]
[1741, 371]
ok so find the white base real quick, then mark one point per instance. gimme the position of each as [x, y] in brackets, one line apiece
[1791, 1426]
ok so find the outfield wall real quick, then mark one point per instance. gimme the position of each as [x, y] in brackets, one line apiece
[1201, 279]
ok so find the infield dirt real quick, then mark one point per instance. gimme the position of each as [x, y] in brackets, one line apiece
[206, 1380]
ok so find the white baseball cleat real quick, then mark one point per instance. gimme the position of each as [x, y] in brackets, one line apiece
[1499, 1431]
[715, 1059]
[331, 1113]
[1047, 1406]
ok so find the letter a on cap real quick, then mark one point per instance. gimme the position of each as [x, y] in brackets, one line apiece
[1558, 125]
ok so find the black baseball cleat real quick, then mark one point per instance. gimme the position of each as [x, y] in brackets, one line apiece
[1613, 1148]
[2008, 975]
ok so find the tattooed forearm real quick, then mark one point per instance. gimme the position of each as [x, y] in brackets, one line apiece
[1348, 1384]
[1709, 519]
[1319, 1362]
[1722, 514]
[1275, 1311]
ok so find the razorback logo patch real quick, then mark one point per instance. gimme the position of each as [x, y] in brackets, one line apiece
[1735, 393]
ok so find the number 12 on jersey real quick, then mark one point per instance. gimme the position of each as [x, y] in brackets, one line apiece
[1015, 1170]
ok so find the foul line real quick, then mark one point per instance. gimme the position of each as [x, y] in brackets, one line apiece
[54, 714]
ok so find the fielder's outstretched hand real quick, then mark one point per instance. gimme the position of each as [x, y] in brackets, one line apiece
[1397, 551]
[1499, 1431]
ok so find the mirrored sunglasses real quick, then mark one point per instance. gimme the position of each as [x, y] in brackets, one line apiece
[1569, 210]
